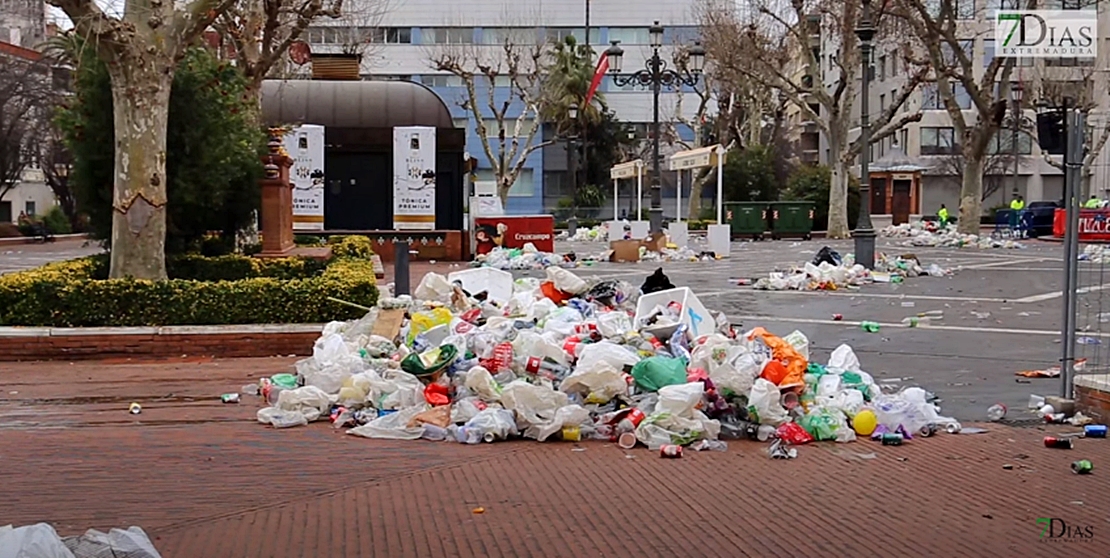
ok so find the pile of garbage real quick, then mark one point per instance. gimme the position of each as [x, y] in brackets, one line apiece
[482, 358]
[828, 271]
[1094, 253]
[42, 541]
[599, 233]
[924, 233]
[527, 257]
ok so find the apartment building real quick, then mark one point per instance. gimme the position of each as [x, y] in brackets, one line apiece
[23, 22]
[933, 143]
[30, 194]
[403, 39]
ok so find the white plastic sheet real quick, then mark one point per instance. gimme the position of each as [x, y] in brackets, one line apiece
[533, 405]
[766, 401]
[132, 542]
[393, 426]
[599, 379]
[32, 541]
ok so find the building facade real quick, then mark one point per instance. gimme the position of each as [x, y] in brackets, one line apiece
[1013, 167]
[29, 195]
[404, 39]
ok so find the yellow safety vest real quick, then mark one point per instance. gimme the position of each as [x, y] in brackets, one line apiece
[943, 213]
[1017, 205]
[1092, 203]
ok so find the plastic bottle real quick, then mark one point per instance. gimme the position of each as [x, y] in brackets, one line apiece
[996, 412]
[468, 435]
[434, 433]
[915, 321]
[869, 327]
[541, 367]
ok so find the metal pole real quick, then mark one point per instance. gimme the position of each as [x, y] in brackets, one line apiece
[678, 196]
[656, 211]
[720, 184]
[864, 234]
[616, 192]
[1073, 158]
[640, 191]
[1070, 258]
[1014, 142]
[585, 127]
[401, 268]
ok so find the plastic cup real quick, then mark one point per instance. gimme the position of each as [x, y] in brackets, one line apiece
[627, 441]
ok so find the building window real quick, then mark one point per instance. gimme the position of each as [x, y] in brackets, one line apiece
[932, 100]
[938, 141]
[493, 130]
[949, 56]
[683, 35]
[523, 187]
[29, 208]
[965, 9]
[447, 35]
[557, 34]
[903, 138]
[630, 35]
[441, 80]
[510, 35]
[882, 67]
[988, 56]
[893, 64]
[1003, 143]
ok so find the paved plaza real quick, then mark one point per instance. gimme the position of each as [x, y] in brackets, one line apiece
[204, 479]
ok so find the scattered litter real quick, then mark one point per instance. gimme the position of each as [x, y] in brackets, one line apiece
[1095, 431]
[1007, 466]
[1058, 442]
[1088, 341]
[981, 315]
[230, 398]
[42, 541]
[478, 510]
[822, 274]
[1082, 467]
[134, 408]
[996, 412]
[922, 233]
[869, 327]
[973, 431]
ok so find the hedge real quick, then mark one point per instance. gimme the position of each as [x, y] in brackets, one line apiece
[202, 291]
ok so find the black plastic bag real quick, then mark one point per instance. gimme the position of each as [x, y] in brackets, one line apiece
[827, 255]
[656, 282]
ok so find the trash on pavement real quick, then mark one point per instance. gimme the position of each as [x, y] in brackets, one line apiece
[996, 412]
[135, 408]
[582, 359]
[1082, 467]
[42, 541]
[919, 234]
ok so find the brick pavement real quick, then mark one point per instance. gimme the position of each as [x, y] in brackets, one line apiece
[205, 480]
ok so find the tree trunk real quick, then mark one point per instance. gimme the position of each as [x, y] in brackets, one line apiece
[504, 184]
[696, 186]
[971, 193]
[140, 101]
[838, 201]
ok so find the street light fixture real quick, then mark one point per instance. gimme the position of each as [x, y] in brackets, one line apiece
[572, 163]
[864, 235]
[1015, 96]
[656, 75]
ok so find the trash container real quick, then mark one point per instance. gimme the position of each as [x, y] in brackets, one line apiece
[791, 218]
[747, 219]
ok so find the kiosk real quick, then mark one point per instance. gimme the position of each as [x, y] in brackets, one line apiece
[719, 235]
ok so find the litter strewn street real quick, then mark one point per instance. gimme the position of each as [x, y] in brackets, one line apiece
[204, 478]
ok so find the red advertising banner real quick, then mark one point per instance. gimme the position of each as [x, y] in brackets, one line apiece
[514, 232]
[1094, 224]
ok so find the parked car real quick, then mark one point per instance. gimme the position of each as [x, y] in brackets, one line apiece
[1044, 212]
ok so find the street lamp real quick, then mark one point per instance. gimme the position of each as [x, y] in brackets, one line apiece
[1015, 97]
[572, 170]
[864, 235]
[656, 75]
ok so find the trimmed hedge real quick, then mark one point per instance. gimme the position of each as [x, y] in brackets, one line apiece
[204, 291]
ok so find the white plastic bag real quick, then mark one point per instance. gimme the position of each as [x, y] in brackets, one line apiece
[617, 356]
[532, 344]
[394, 426]
[765, 400]
[612, 324]
[534, 406]
[132, 542]
[600, 380]
[566, 281]
[309, 402]
[32, 541]
[843, 359]
[433, 287]
[570, 415]
[800, 342]
[680, 400]
[498, 424]
[404, 390]
[562, 321]
[332, 362]
[480, 382]
[464, 409]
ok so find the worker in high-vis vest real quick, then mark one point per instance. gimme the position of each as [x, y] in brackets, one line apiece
[1016, 208]
[1093, 203]
[942, 216]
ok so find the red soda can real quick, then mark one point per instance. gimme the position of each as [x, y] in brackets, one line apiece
[1058, 443]
[670, 450]
[837, 317]
[585, 328]
[655, 342]
[631, 420]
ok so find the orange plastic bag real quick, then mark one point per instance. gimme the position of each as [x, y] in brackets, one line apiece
[788, 367]
[558, 297]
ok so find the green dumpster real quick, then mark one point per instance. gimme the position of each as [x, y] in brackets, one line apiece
[791, 218]
[747, 219]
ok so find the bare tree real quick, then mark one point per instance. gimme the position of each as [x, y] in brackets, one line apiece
[26, 100]
[997, 169]
[944, 40]
[518, 66]
[260, 32]
[141, 47]
[770, 43]
[57, 164]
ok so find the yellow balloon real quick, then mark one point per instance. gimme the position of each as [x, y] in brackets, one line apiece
[864, 422]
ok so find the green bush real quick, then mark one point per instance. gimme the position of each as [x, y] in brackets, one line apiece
[307, 240]
[56, 221]
[351, 247]
[749, 175]
[812, 183]
[229, 289]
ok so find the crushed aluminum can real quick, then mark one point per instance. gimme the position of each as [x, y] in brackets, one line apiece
[230, 398]
[1082, 467]
[779, 450]
[927, 430]
[837, 317]
[1058, 443]
[953, 428]
[134, 408]
[892, 439]
[673, 451]
[1094, 431]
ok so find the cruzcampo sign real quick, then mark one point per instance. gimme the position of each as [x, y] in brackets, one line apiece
[1047, 33]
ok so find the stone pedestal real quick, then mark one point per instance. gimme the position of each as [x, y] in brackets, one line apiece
[277, 207]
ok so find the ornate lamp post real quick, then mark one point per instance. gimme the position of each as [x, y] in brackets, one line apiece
[572, 170]
[656, 75]
[864, 234]
[1015, 97]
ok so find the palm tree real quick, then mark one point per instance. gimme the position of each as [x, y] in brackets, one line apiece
[570, 72]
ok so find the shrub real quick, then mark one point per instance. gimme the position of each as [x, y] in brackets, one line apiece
[9, 230]
[56, 221]
[351, 247]
[812, 183]
[229, 289]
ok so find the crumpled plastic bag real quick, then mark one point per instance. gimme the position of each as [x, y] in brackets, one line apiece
[534, 406]
[499, 422]
[392, 426]
[660, 429]
[562, 321]
[843, 359]
[439, 416]
[566, 281]
[823, 423]
[617, 356]
[423, 321]
[465, 409]
[307, 402]
[653, 373]
[800, 342]
[480, 382]
[785, 353]
[532, 344]
[433, 287]
[570, 415]
[680, 400]
[793, 434]
[612, 324]
[764, 403]
[132, 542]
[401, 390]
[32, 541]
[601, 381]
[331, 363]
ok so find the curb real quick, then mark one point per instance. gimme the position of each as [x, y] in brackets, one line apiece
[91, 343]
[17, 240]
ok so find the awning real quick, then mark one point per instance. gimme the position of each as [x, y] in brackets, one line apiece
[695, 158]
[626, 170]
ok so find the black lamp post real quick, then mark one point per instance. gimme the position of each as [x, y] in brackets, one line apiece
[864, 234]
[657, 75]
[572, 171]
[1015, 97]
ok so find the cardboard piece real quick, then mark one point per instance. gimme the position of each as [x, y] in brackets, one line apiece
[625, 251]
[656, 242]
[389, 322]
